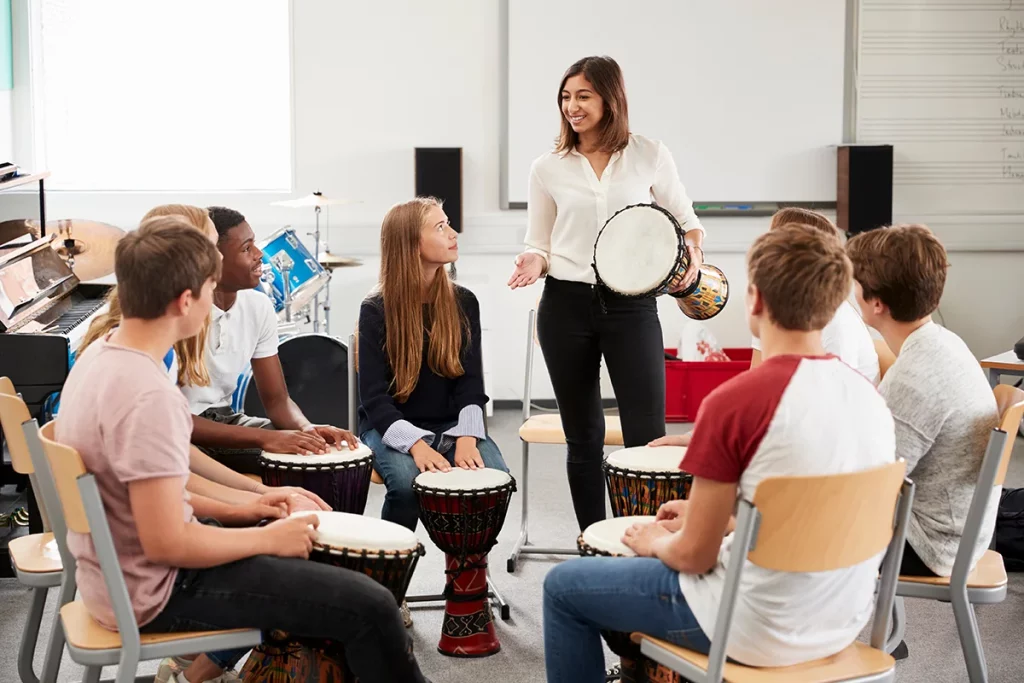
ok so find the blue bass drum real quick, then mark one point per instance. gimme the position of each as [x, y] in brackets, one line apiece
[306, 277]
[316, 372]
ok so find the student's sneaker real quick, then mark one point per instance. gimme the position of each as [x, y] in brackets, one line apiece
[406, 614]
[172, 670]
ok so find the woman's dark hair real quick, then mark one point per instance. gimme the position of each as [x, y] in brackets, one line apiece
[606, 77]
[224, 219]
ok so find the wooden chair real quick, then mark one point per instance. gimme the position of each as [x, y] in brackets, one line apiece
[986, 582]
[885, 357]
[89, 644]
[36, 560]
[807, 524]
[543, 429]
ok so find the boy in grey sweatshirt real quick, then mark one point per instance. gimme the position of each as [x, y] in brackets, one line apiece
[940, 400]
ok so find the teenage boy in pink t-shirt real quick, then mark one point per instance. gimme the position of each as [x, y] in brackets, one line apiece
[132, 429]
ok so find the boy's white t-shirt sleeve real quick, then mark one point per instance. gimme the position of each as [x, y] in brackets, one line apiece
[266, 343]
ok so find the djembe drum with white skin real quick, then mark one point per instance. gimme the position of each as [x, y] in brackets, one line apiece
[384, 551]
[341, 476]
[604, 539]
[463, 512]
[642, 479]
[641, 252]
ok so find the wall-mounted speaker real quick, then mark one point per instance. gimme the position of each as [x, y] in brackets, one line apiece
[864, 195]
[439, 174]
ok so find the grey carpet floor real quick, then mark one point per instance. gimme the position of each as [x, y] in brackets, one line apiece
[931, 634]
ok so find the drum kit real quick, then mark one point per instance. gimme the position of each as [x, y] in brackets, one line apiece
[292, 276]
[640, 252]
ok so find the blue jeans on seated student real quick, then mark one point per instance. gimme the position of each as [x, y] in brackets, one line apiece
[398, 470]
[590, 594]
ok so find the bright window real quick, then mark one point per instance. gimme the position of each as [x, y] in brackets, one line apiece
[156, 95]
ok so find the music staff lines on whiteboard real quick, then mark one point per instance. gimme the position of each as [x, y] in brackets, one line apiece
[940, 6]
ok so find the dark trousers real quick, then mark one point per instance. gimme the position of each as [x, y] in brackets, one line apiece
[304, 599]
[577, 324]
[912, 564]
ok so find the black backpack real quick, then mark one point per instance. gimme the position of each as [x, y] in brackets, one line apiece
[1010, 529]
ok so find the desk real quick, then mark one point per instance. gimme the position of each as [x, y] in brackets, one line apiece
[1004, 364]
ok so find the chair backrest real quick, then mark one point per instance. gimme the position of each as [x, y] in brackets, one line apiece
[819, 523]
[66, 467]
[46, 492]
[83, 513]
[1010, 401]
[531, 345]
[885, 357]
[14, 412]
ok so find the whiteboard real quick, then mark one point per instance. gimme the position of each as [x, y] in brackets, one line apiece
[943, 82]
[747, 94]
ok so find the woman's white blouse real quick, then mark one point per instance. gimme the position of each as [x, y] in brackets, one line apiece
[568, 205]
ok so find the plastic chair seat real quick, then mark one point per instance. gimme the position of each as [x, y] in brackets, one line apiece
[990, 572]
[35, 554]
[856, 661]
[547, 429]
[84, 633]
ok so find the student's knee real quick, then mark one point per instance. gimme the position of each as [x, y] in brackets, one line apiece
[562, 579]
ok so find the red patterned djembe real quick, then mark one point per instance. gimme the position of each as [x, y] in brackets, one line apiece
[463, 511]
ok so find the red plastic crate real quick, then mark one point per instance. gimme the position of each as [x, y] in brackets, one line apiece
[688, 382]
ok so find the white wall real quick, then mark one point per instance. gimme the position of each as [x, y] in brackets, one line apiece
[6, 130]
[374, 80]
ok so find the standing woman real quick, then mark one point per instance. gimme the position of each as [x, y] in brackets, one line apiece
[597, 168]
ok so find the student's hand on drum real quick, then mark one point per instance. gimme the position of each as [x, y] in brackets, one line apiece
[290, 537]
[427, 459]
[529, 267]
[294, 442]
[641, 537]
[467, 455]
[301, 499]
[672, 514]
[334, 435]
[672, 440]
[696, 256]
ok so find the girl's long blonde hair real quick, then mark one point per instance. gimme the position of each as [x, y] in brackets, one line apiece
[191, 352]
[401, 288]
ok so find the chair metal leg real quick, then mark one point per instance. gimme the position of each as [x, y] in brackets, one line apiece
[524, 527]
[30, 636]
[523, 545]
[92, 674]
[970, 639]
[55, 648]
[497, 601]
[899, 625]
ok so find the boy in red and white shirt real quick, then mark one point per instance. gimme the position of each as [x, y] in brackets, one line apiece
[802, 412]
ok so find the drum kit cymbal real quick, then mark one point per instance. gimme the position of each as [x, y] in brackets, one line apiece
[86, 246]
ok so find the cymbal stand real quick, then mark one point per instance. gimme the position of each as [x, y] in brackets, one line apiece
[316, 255]
[286, 278]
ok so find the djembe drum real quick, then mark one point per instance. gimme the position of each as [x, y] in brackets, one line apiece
[463, 511]
[640, 252]
[384, 551]
[642, 479]
[604, 538]
[341, 476]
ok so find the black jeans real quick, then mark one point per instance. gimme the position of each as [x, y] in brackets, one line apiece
[912, 564]
[577, 324]
[303, 598]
